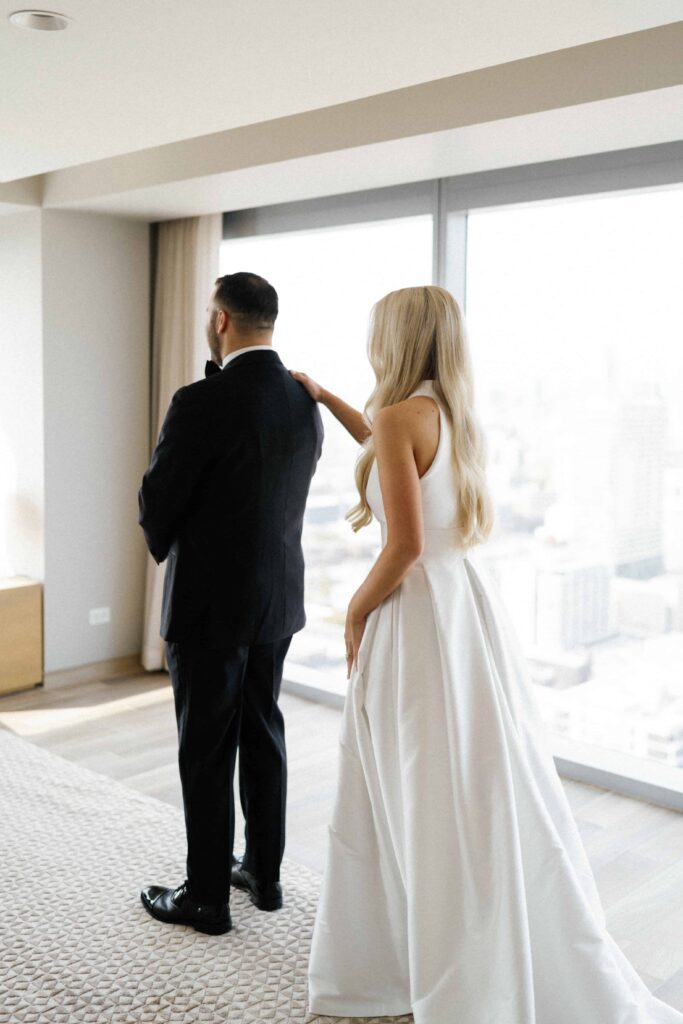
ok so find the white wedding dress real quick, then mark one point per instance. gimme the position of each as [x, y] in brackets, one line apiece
[456, 885]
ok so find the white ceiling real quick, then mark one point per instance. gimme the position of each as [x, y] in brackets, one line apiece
[135, 74]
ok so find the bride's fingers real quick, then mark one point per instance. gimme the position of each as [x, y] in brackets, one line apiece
[349, 659]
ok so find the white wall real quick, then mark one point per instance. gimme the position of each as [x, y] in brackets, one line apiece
[96, 383]
[21, 405]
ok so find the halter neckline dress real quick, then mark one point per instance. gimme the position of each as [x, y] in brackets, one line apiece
[456, 885]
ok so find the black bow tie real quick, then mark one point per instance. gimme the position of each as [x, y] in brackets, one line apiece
[211, 367]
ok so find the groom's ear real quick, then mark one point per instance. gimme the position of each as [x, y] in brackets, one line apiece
[222, 319]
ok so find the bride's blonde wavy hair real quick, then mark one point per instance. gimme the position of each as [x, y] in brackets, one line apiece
[418, 334]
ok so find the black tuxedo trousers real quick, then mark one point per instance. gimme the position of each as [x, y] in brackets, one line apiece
[225, 697]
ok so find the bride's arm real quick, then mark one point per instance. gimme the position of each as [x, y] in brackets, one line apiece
[393, 431]
[350, 418]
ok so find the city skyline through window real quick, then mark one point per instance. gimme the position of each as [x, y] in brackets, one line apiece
[578, 366]
[578, 360]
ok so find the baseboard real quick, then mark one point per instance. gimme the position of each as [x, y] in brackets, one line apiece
[111, 668]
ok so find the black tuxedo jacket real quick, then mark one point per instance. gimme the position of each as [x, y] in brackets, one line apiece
[223, 499]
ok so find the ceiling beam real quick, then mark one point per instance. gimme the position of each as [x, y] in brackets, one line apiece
[620, 66]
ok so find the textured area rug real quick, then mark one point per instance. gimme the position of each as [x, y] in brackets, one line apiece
[76, 944]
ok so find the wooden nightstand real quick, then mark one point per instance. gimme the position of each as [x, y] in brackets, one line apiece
[21, 633]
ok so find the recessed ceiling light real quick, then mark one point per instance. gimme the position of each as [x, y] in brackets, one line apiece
[44, 21]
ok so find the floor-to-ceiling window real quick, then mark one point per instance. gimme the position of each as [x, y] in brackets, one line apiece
[327, 280]
[569, 274]
[574, 315]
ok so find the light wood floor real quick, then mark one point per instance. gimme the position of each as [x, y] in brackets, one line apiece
[125, 729]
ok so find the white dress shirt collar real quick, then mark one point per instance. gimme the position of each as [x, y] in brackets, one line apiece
[241, 351]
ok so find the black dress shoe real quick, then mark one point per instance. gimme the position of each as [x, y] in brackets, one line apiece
[177, 906]
[264, 895]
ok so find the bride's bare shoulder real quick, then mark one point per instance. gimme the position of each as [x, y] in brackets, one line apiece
[415, 412]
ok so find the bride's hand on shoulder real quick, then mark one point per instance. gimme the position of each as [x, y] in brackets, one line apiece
[314, 389]
[353, 634]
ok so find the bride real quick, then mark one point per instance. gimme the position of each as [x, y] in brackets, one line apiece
[456, 886]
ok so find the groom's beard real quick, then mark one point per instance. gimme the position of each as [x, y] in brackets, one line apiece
[214, 343]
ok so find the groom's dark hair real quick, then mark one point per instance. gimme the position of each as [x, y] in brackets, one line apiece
[249, 298]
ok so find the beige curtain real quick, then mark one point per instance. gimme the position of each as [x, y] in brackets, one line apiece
[187, 265]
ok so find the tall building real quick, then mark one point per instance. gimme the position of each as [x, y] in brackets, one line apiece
[610, 482]
[572, 605]
[673, 513]
[639, 458]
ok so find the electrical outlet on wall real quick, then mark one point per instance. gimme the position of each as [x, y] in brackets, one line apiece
[96, 616]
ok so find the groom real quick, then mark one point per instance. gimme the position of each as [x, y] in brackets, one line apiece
[223, 501]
